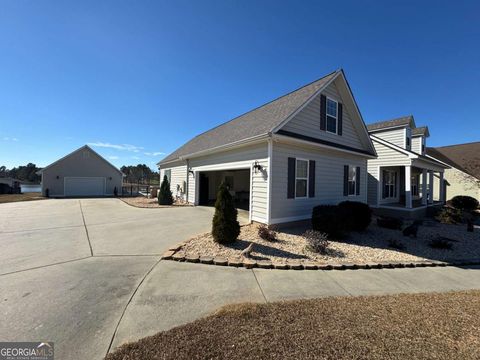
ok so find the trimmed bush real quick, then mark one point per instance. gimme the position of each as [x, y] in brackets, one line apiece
[390, 223]
[356, 215]
[440, 243]
[317, 241]
[395, 244]
[165, 196]
[449, 216]
[225, 227]
[466, 203]
[267, 234]
[327, 219]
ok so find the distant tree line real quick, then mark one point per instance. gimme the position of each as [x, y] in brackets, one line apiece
[140, 173]
[22, 173]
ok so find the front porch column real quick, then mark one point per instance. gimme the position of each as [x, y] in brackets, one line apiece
[408, 187]
[442, 188]
[424, 187]
[430, 187]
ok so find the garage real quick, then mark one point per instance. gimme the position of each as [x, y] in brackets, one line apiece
[81, 173]
[237, 181]
[85, 186]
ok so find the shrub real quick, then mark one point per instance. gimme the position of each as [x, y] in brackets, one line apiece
[440, 243]
[356, 215]
[115, 191]
[317, 241]
[327, 219]
[165, 196]
[466, 203]
[390, 223]
[267, 234]
[395, 244]
[225, 227]
[449, 216]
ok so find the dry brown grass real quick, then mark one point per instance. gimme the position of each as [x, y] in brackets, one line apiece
[8, 198]
[414, 326]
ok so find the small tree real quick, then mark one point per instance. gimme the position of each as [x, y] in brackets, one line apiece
[225, 227]
[165, 196]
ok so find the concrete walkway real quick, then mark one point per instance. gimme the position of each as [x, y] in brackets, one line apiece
[87, 275]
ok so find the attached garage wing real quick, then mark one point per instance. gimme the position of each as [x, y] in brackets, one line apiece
[85, 186]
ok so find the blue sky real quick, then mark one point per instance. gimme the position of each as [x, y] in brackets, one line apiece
[139, 78]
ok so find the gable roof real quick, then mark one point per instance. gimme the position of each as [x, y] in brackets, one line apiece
[421, 131]
[464, 157]
[256, 123]
[75, 151]
[398, 122]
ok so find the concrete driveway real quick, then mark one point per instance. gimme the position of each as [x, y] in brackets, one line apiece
[87, 275]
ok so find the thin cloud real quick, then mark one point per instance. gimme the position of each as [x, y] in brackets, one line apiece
[6, 138]
[156, 153]
[135, 157]
[123, 147]
[113, 157]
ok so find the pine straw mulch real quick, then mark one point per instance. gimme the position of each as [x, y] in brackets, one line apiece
[413, 326]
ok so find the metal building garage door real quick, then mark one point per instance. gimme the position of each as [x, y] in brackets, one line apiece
[84, 186]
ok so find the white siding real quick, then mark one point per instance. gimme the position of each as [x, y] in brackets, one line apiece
[386, 157]
[307, 122]
[396, 137]
[244, 158]
[459, 183]
[178, 176]
[328, 180]
[417, 144]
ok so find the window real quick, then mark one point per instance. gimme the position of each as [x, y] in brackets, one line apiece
[389, 184]
[352, 180]
[332, 115]
[301, 179]
[168, 174]
[408, 140]
[414, 184]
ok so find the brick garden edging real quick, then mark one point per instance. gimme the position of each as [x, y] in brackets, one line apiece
[175, 253]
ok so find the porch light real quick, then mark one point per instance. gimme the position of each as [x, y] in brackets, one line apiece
[257, 166]
[191, 172]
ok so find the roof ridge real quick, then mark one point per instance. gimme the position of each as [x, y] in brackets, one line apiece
[445, 146]
[267, 103]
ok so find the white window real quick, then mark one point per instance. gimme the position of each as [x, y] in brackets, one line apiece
[415, 184]
[332, 115]
[168, 174]
[352, 180]
[389, 184]
[301, 179]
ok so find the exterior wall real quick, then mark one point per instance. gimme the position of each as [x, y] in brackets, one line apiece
[83, 163]
[243, 158]
[459, 183]
[387, 157]
[307, 122]
[417, 144]
[396, 136]
[328, 180]
[177, 178]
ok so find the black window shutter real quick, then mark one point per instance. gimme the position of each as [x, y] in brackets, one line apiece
[357, 181]
[345, 180]
[340, 119]
[291, 178]
[323, 112]
[311, 178]
[384, 187]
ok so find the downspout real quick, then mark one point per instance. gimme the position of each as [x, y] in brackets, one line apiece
[187, 185]
[269, 185]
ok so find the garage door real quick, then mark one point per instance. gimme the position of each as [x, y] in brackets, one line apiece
[84, 186]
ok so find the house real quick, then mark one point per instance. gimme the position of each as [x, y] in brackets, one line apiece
[463, 177]
[305, 148]
[81, 173]
[401, 179]
[9, 185]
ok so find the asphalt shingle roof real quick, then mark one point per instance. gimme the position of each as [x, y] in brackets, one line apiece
[259, 121]
[404, 120]
[465, 157]
[423, 130]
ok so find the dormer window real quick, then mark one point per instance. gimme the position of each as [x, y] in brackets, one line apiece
[332, 116]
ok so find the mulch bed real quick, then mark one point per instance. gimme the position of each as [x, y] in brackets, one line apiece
[413, 326]
[144, 202]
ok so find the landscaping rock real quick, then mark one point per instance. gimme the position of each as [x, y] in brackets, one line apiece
[249, 263]
[308, 265]
[235, 261]
[168, 255]
[192, 258]
[295, 265]
[279, 265]
[206, 259]
[179, 256]
[264, 264]
[220, 261]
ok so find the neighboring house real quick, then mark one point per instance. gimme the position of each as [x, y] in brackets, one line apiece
[401, 178]
[463, 178]
[303, 149]
[81, 173]
[9, 185]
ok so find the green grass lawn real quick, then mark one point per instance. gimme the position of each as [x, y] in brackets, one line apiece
[415, 326]
[7, 198]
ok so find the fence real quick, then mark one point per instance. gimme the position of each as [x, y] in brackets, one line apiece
[138, 189]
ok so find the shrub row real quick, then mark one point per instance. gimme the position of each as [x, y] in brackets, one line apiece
[337, 220]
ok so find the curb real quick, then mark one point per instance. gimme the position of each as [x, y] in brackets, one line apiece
[175, 253]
